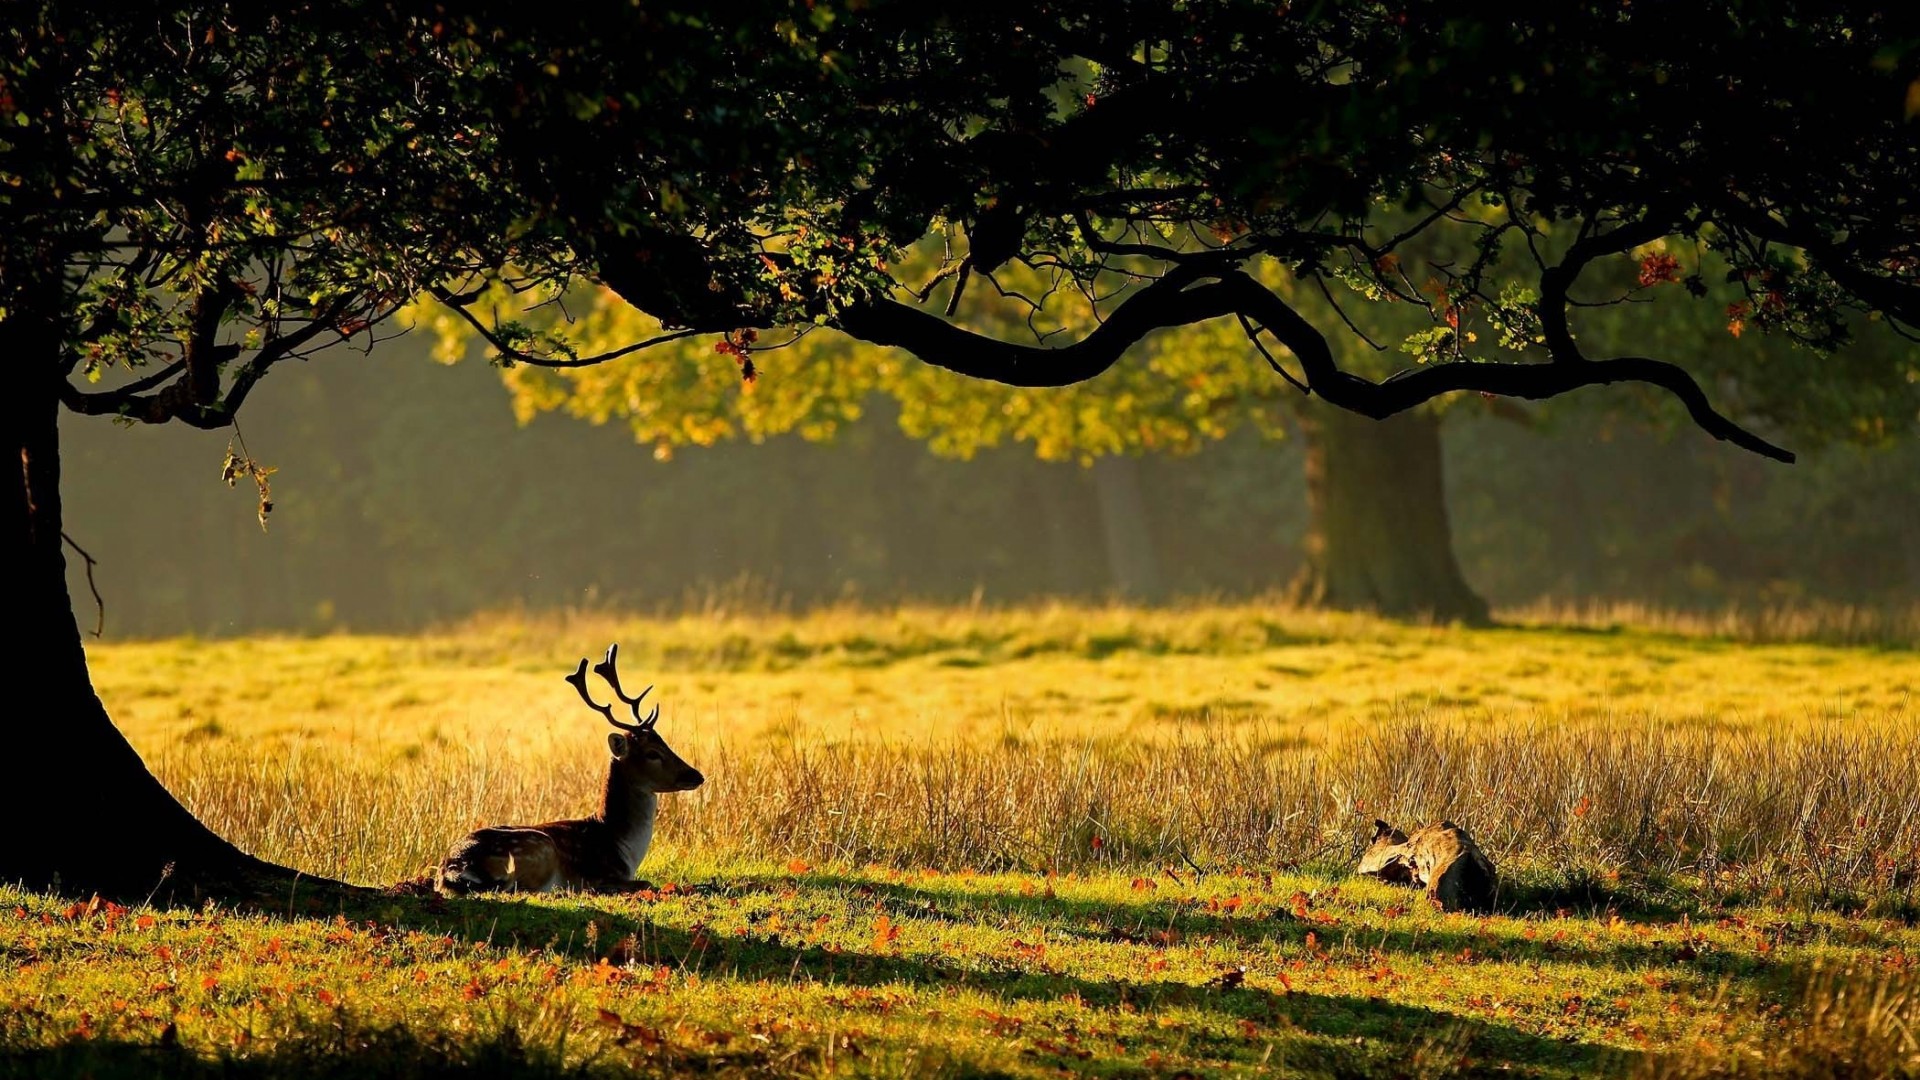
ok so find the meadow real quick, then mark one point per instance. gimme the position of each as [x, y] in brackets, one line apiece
[982, 841]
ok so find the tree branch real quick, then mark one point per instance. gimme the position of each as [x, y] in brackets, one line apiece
[99, 603]
[1557, 279]
[1177, 300]
[179, 401]
[99, 401]
[1897, 299]
[458, 304]
[1166, 303]
[1416, 386]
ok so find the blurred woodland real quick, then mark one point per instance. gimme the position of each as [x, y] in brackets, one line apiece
[408, 494]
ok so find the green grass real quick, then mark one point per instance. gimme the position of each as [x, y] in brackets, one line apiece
[750, 968]
[972, 842]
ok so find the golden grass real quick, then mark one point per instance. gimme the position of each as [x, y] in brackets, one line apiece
[907, 674]
[957, 737]
[973, 841]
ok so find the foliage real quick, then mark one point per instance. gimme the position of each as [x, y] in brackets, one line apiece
[192, 193]
[1181, 391]
[783, 165]
[1440, 160]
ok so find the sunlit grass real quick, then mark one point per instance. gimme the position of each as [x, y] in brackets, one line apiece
[848, 674]
[970, 841]
[790, 970]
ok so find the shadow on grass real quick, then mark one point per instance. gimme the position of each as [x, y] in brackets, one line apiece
[1326, 1034]
[374, 1054]
[1149, 923]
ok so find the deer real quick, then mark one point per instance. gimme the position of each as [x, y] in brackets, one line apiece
[1442, 858]
[601, 853]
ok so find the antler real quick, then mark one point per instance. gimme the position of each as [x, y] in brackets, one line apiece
[607, 670]
[579, 681]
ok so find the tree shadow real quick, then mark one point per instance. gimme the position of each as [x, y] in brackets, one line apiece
[1159, 921]
[1339, 1034]
[373, 1054]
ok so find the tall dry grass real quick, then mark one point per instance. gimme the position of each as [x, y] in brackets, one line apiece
[1887, 625]
[1854, 1023]
[1828, 808]
[722, 630]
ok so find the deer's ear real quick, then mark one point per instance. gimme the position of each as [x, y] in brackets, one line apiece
[617, 742]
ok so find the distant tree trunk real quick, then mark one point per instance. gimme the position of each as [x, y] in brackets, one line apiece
[1051, 486]
[84, 813]
[1377, 531]
[1123, 518]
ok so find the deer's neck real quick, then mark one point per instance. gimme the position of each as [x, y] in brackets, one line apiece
[629, 814]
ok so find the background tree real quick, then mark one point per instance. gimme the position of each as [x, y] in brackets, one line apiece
[409, 497]
[1378, 532]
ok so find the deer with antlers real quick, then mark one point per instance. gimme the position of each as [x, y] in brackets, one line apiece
[601, 853]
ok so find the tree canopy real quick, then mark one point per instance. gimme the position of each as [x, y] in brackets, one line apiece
[1015, 196]
[194, 194]
[1093, 174]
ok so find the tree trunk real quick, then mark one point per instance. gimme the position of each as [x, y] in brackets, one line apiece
[86, 815]
[1123, 518]
[1051, 486]
[1378, 538]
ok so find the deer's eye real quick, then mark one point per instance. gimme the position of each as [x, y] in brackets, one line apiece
[653, 755]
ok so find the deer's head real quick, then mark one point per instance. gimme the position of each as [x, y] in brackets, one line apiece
[1387, 857]
[642, 760]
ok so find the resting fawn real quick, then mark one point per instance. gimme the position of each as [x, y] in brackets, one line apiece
[601, 853]
[1441, 858]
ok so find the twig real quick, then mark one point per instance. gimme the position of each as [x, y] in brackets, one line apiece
[1253, 335]
[453, 303]
[100, 605]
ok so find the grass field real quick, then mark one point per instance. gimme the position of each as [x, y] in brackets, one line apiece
[982, 842]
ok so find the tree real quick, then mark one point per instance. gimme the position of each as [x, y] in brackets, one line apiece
[189, 197]
[1433, 155]
[1104, 177]
[192, 193]
[1378, 535]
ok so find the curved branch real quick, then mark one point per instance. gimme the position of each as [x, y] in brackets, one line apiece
[1177, 300]
[1557, 279]
[179, 401]
[1404, 390]
[1167, 302]
[93, 402]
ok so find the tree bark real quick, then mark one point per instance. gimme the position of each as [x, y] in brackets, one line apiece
[87, 815]
[1378, 537]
